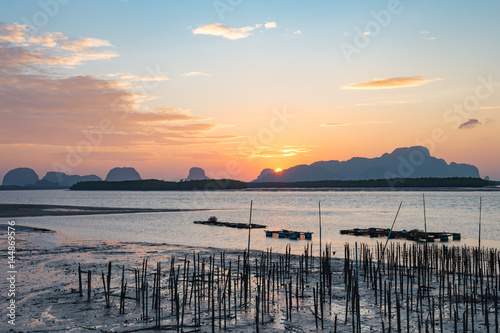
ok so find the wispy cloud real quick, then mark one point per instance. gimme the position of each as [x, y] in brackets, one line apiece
[376, 122]
[396, 82]
[21, 46]
[297, 32]
[219, 29]
[270, 25]
[400, 101]
[289, 151]
[426, 35]
[362, 104]
[222, 30]
[471, 123]
[270, 152]
[135, 78]
[335, 124]
[164, 115]
[84, 43]
[12, 33]
[490, 107]
[189, 74]
[40, 106]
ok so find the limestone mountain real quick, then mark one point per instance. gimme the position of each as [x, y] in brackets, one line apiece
[20, 177]
[410, 162]
[196, 173]
[65, 180]
[121, 174]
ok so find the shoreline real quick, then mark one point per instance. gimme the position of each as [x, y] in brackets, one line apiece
[35, 210]
[48, 299]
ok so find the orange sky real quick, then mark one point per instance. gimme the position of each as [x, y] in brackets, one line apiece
[238, 92]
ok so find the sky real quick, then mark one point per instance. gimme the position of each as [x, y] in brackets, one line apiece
[236, 86]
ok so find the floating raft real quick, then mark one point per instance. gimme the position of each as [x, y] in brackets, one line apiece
[289, 234]
[414, 235]
[214, 222]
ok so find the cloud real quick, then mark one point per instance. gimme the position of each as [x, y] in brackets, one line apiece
[376, 122]
[400, 101]
[335, 124]
[202, 155]
[218, 29]
[490, 107]
[189, 74]
[268, 152]
[40, 106]
[163, 115]
[471, 123]
[362, 104]
[396, 82]
[138, 78]
[12, 33]
[51, 39]
[84, 44]
[297, 32]
[21, 48]
[270, 25]
[426, 35]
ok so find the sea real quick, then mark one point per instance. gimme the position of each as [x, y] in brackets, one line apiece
[301, 210]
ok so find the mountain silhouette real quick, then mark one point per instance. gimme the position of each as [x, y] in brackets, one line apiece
[196, 173]
[410, 162]
[65, 180]
[122, 174]
[20, 177]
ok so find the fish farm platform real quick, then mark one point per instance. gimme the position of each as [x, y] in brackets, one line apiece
[414, 235]
[231, 224]
[294, 235]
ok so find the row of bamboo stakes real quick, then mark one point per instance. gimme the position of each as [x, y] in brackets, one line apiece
[413, 287]
[396, 287]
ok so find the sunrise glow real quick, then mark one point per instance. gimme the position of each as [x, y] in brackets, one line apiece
[248, 86]
[278, 170]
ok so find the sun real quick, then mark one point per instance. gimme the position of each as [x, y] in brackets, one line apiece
[278, 170]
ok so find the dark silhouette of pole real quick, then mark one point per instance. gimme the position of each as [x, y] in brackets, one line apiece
[249, 227]
[479, 238]
[387, 241]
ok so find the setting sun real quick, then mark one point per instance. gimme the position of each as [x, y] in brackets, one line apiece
[278, 170]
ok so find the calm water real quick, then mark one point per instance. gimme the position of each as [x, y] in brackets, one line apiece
[455, 211]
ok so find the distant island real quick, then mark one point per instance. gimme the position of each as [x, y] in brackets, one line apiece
[454, 182]
[411, 167]
[161, 185]
[27, 179]
[228, 184]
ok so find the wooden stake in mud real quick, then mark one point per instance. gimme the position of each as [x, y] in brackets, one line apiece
[249, 227]
[319, 211]
[425, 220]
[80, 292]
[106, 295]
[89, 284]
[479, 237]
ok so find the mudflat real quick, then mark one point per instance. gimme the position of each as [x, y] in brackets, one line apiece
[29, 210]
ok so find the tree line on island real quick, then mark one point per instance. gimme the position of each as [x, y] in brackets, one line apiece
[229, 184]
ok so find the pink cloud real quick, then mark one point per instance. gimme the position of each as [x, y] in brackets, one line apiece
[20, 47]
[395, 82]
[222, 30]
[42, 108]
